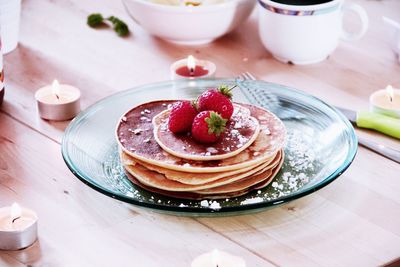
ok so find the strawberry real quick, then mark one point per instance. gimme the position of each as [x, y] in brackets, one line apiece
[181, 116]
[207, 126]
[218, 100]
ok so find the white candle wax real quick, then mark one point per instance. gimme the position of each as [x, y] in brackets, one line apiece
[17, 229]
[386, 102]
[58, 102]
[191, 63]
[218, 258]
[53, 99]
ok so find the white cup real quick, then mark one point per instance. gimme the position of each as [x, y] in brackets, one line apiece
[305, 34]
[9, 24]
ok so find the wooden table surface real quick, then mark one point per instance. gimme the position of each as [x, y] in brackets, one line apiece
[355, 221]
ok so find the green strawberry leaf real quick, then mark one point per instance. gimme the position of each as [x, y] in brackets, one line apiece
[225, 90]
[216, 124]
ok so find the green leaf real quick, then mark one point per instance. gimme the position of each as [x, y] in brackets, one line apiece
[216, 124]
[120, 27]
[225, 90]
[95, 19]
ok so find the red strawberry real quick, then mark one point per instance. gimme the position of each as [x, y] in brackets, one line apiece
[207, 126]
[218, 100]
[181, 116]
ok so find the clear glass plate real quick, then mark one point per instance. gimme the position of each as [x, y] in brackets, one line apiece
[320, 147]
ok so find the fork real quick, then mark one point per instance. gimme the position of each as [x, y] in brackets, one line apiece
[380, 149]
[265, 99]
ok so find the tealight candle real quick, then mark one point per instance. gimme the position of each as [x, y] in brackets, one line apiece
[386, 102]
[218, 258]
[18, 227]
[191, 68]
[58, 102]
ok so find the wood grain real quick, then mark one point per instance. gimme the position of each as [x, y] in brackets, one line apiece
[352, 222]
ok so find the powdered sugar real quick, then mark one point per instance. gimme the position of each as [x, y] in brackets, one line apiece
[212, 150]
[204, 203]
[137, 131]
[215, 205]
[300, 161]
[238, 125]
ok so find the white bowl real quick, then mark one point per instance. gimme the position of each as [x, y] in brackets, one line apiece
[189, 25]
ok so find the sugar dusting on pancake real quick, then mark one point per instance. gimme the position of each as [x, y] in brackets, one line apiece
[135, 137]
[240, 132]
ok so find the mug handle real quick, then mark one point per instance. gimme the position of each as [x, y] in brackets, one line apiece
[362, 14]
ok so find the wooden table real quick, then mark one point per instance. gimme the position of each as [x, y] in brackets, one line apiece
[355, 221]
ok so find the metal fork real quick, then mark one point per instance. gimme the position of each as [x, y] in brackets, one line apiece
[380, 149]
[247, 76]
[265, 99]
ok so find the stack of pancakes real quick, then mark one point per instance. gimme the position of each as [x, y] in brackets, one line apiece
[247, 156]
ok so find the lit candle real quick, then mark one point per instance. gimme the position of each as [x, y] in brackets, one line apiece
[191, 68]
[386, 102]
[58, 102]
[217, 258]
[18, 227]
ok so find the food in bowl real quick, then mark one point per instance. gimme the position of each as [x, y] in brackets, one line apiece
[189, 24]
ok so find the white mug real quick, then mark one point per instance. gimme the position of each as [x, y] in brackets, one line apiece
[305, 34]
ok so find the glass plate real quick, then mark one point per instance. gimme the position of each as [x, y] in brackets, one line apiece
[320, 147]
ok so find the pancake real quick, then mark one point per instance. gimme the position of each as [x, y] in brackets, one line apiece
[135, 137]
[158, 180]
[275, 171]
[238, 185]
[187, 177]
[185, 195]
[259, 180]
[217, 195]
[240, 132]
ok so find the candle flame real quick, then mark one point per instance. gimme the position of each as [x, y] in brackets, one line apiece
[215, 257]
[15, 211]
[55, 88]
[390, 92]
[191, 64]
